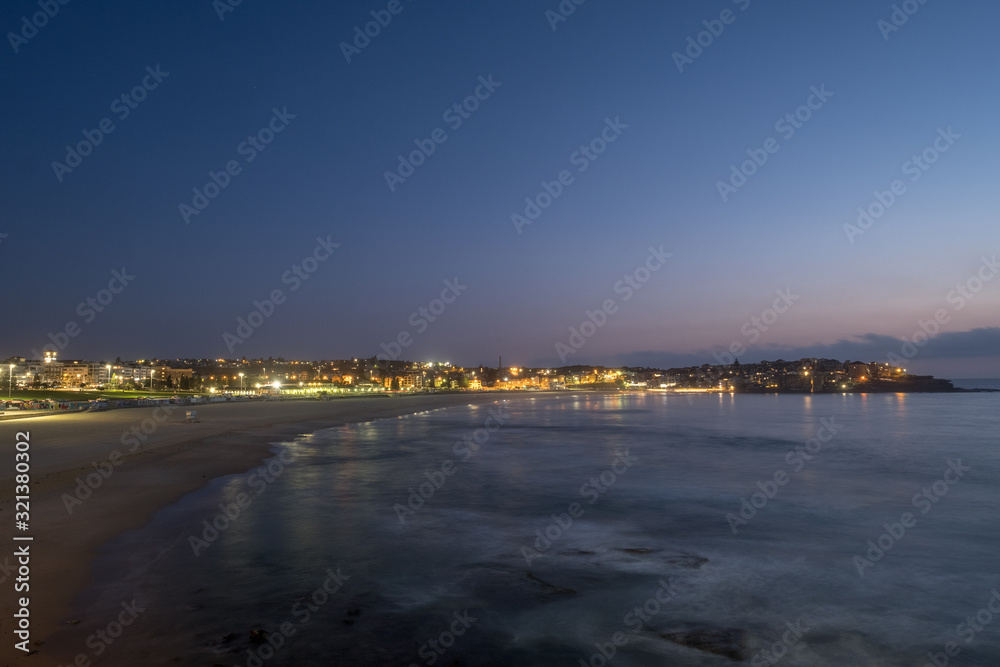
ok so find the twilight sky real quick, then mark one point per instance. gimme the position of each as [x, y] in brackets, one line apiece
[632, 150]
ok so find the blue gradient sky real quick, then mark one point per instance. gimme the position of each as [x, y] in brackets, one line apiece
[656, 185]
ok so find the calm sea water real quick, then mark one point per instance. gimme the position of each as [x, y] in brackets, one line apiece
[658, 523]
[978, 383]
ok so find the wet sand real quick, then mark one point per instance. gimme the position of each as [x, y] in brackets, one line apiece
[162, 461]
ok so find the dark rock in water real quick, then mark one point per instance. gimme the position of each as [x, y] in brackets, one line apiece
[727, 642]
[689, 560]
[679, 559]
[551, 588]
[258, 636]
[497, 585]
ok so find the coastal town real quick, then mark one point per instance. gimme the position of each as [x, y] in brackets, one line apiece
[217, 379]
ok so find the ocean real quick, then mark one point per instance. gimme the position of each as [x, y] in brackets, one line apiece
[978, 383]
[586, 529]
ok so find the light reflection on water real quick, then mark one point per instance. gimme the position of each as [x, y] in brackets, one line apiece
[696, 459]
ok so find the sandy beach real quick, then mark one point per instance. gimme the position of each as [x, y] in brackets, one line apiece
[150, 459]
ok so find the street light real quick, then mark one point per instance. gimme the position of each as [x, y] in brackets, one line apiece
[109, 373]
[241, 383]
[10, 381]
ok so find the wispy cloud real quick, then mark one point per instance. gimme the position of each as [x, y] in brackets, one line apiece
[976, 343]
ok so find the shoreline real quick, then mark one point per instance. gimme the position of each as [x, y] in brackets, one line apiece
[145, 470]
